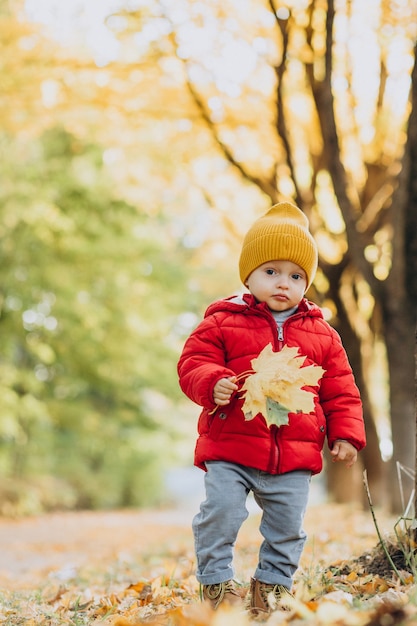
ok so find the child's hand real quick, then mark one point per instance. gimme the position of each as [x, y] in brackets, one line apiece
[223, 390]
[344, 451]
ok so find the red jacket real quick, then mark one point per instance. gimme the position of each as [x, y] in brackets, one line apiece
[233, 332]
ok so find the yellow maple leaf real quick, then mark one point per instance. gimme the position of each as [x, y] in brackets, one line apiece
[277, 382]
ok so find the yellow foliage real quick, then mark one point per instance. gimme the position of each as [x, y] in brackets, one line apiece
[280, 377]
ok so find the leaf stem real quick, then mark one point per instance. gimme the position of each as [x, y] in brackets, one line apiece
[244, 374]
[239, 377]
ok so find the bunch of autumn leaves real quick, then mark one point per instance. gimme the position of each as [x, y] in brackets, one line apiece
[274, 386]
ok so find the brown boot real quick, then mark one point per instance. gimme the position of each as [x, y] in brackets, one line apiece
[221, 592]
[265, 598]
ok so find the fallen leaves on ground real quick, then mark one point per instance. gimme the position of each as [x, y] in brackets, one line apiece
[344, 600]
[161, 589]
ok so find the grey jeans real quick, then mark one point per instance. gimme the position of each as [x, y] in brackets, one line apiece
[283, 500]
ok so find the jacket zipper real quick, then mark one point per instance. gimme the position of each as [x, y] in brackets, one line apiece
[274, 432]
[280, 337]
[276, 453]
[281, 331]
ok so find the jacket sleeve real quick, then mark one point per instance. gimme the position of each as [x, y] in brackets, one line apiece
[202, 363]
[340, 397]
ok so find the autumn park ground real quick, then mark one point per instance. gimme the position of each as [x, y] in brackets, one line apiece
[119, 568]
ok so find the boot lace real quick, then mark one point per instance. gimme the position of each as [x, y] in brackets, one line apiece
[216, 592]
[279, 593]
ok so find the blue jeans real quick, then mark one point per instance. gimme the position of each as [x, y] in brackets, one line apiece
[283, 500]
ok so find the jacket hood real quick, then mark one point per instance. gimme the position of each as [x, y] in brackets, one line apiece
[240, 302]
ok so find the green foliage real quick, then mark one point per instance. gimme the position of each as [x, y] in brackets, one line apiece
[87, 307]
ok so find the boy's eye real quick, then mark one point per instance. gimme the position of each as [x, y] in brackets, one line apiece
[297, 276]
[270, 272]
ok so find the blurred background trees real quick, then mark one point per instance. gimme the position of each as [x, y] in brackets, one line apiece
[87, 309]
[139, 141]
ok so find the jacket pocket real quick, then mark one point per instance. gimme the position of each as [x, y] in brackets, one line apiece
[321, 424]
[217, 424]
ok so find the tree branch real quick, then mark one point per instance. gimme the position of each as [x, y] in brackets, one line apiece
[323, 98]
[266, 185]
[280, 119]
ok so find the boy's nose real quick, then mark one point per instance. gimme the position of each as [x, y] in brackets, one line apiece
[282, 281]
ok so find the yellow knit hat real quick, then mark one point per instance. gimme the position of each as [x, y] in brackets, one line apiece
[281, 234]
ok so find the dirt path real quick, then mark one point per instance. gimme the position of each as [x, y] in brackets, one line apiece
[33, 549]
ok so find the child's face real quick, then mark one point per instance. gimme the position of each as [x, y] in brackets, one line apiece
[281, 284]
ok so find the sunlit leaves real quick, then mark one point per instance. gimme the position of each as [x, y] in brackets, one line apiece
[349, 600]
[276, 387]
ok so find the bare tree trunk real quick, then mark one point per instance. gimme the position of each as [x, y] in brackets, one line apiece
[392, 295]
[396, 296]
[399, 304]
[400, 349]
[415, 409]
[411, 241]
[346, 485]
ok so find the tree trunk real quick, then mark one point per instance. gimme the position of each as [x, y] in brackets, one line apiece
[400, 349]
[415, 421]
[399, 306]
[346, 485]
[396, 296]
[396, 303]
